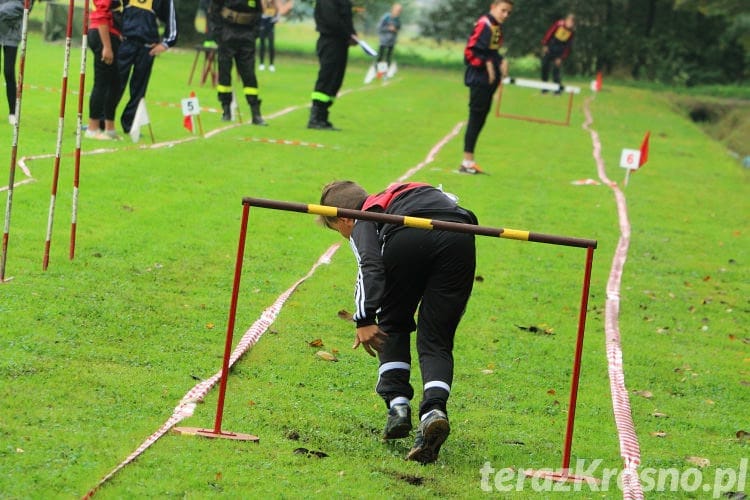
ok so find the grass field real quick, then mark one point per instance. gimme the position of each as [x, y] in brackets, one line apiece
[98, 351]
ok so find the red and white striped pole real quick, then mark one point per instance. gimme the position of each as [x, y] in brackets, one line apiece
[79, 127]
[60, 123]
[14, 146]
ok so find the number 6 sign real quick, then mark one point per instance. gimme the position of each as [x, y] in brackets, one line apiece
[630, 159]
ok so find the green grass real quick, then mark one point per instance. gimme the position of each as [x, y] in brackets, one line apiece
[98, 351]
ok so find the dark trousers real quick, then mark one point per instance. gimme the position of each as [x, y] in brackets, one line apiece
[9, 71]
[332, 54]
[106, 89]
[434, 271]
[134, 64]
[480, 102]
[241, 53]
[385, 52]
[548, 62]
[267, 30]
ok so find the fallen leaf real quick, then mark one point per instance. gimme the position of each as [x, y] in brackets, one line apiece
[478, 278]
[335, 351]
[746, 340]
[515, 443]
[251, 403]
[316, 343]
[659, 434]
[301, 451]
[551, 392]
[542, 329]
[699, 461]
[732, 337]
[20, 450]
[218, 476]
[710, 402]
[293, 435]
[659, 415]
[740, 435]
[487, 371]
[662, 330]
[644, 394]
[745, 382]
[326, 356]
[706, 278]
[345, 315]
[210, 326]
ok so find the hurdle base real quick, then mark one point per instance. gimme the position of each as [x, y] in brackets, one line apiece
[209, 433]
[562, 476]
[6, 280]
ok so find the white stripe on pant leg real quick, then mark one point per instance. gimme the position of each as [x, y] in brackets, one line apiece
[437, 384]
[393, 365]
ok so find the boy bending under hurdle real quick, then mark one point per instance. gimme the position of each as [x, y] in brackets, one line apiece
[485, 68]
[402, 269]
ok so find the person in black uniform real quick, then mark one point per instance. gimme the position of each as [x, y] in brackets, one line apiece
[556, 46]
[402, 269]
[333, 20]
[140, 45]
[234, 26]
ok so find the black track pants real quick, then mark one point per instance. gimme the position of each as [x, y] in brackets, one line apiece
[480, 102]
[436, 268]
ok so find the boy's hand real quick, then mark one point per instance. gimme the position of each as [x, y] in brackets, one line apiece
[156, 49]
[371, 337]
[491, 73]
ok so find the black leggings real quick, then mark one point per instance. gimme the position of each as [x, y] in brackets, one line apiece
[480, 101]
[9, 70]
[385, 52]
[267, 34]
[105, 92]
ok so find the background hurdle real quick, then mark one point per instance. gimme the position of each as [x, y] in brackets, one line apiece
[421, 223]
[534, 84]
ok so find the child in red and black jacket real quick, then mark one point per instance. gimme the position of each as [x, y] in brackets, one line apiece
[485, 68]
[556, 46]
[401, 270]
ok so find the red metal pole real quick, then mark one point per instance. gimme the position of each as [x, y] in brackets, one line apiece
[16, 130]
[79, 126]
[60, 122]
[577, 361]
[232, 314]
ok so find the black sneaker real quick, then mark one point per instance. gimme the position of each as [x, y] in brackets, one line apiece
[398, 424]
[431, 434]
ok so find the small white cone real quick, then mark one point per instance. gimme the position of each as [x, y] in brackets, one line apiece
[371, 73]
[140, 119]
[392, 69]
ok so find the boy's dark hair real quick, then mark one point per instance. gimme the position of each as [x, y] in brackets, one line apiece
[509, 2]
[341, 194]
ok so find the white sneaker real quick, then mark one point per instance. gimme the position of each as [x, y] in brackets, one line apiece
[12, 119]
[262, 67]
[96, 134]
[272, 68]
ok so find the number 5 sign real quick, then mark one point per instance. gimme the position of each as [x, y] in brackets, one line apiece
[630, 159]
[190, 107]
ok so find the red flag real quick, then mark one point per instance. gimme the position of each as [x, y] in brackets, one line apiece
[187, 122]
[644, 150]
[598, 81]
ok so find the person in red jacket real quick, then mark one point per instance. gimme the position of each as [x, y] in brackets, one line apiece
[105, 23]
[402, 269]
[485, 68]
[556, 46]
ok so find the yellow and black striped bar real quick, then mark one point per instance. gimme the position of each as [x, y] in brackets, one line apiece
[419, 222]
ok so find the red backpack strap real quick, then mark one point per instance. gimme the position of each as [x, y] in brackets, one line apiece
[384, 198]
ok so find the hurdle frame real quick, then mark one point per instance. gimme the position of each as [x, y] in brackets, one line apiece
[421, 223]
[571, 91]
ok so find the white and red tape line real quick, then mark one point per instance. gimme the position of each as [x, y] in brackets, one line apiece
[629, 448]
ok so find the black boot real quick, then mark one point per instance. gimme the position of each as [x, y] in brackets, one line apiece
[255, 111]
[317, 118]
[226, 112]
[329, 125]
